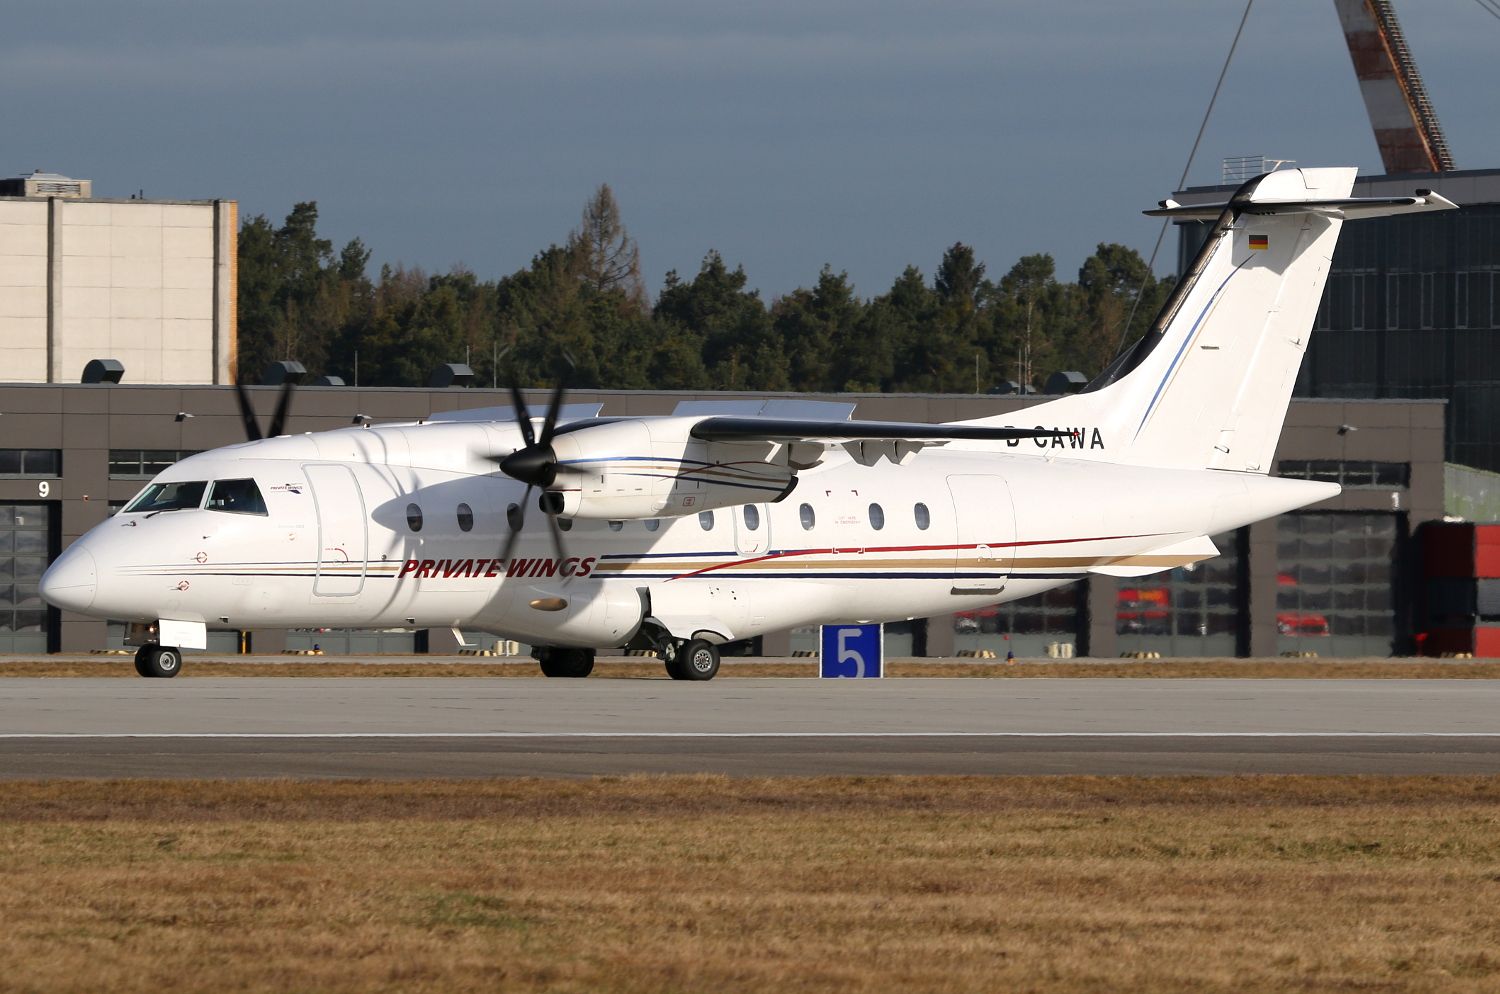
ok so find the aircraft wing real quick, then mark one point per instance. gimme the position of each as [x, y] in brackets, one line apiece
[758, 429]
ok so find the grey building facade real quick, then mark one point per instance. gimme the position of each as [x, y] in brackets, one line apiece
[1330, 579]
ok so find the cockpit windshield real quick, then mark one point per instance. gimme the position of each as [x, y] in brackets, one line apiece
[237, 497]
[179, 495]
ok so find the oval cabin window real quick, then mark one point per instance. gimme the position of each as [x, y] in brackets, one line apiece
[805, 512]
[414, 517]
[923, 516]
[465, 518]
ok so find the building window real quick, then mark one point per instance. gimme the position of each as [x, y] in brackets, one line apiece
[414, 517]
[922, 516]
[805, 512]
[143, 464]
[465, 518]
[877, 517]
[752, 517]
[30, 462]
[1348, 473]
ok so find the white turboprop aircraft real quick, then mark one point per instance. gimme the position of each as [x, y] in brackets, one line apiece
[715, 523]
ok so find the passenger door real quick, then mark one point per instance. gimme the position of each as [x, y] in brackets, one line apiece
[343, 531]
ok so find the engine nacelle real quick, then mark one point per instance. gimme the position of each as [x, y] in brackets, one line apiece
[655, 469]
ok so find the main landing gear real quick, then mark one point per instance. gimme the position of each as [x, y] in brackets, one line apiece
[690, 659]
[568, 663]
[158, 660]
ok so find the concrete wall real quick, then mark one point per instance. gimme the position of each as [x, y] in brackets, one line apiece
[143, 282]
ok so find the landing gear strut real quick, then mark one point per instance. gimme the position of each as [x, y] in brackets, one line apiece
[569, 663]
[161, 661]
[692, 659]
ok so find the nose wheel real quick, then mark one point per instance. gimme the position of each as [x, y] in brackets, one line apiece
[158, 661]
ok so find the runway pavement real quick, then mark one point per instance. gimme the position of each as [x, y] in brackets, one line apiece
[466, 728]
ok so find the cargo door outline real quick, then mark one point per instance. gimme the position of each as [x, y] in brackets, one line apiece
[985, 523]
[342, 530]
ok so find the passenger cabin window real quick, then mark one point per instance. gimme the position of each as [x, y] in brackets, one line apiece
[752, 517]
[805, 512]
[465, 518]
[513, 516]
[923, 516]
[414, 517]
[615, 526]
[877, 517]
[180, 495]
[236, 497]
[706, 520]
[652, 524]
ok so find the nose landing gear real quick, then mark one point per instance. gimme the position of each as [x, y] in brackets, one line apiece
[159, 661]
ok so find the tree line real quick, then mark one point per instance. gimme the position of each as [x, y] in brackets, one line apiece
[582, 300]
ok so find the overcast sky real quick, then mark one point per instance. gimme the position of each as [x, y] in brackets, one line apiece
[867, 134]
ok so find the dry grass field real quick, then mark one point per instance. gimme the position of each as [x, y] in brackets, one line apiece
[1367, 669]
[709, 884]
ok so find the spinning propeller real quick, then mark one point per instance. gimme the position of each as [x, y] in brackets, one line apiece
[535, 464]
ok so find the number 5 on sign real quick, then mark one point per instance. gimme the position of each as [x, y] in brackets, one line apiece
[852, 651]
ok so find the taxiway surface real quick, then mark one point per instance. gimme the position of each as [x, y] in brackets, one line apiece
[401, 728]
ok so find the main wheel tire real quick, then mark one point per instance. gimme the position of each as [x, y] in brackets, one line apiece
[159, 661]
[696, 659]
[566, 663]
[140, 661]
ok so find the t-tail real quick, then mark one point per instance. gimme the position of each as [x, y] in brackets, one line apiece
[1208, 386]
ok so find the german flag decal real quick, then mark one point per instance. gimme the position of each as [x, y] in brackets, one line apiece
[1259, 242]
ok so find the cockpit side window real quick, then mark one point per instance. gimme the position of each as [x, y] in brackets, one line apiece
[236, 496]
[179, 495]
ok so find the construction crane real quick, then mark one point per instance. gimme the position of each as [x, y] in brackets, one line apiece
[1406, 127]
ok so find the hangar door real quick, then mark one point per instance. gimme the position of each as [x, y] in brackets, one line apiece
[342, 530]
[24, 531]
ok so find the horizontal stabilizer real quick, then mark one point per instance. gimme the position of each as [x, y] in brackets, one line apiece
[1348, 208]
[1160, 560]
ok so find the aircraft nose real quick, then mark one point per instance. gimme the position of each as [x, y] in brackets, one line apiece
[72, 580]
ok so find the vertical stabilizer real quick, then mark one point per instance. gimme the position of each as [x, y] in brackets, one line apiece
[1208, 387]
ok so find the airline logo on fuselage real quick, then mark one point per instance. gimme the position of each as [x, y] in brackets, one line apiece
[1073, 438]
[446, 569]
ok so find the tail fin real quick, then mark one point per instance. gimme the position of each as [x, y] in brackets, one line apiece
[1208, 386]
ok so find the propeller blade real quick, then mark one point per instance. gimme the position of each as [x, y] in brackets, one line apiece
[523, 416]
[247, 414]
[555, 407]
[283, 407]
[557, 540]
[515, 533]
